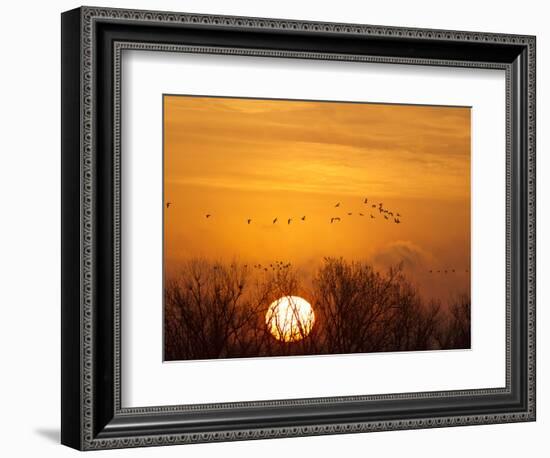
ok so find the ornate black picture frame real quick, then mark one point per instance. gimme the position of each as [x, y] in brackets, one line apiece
[92, 42]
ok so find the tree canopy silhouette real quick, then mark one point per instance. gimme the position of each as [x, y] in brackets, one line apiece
[218, 310]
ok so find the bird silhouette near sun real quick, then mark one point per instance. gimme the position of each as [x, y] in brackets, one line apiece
[386, 213]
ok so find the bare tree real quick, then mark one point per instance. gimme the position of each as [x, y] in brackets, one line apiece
[355, 303]
[455, 332]
[205, 310]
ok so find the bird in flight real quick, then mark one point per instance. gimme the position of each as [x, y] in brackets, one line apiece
[248, 221]
[289, 220]
[274, 221]
[303, 218]
[334, 219]
[366, 201]
[337, 205]
[398, 215]
[372, 216]
[385, 216]
[208, 215]
[373, 206]
[361, 214]
[350, 213]
[430, 271]
[397, 220]
[168, 204]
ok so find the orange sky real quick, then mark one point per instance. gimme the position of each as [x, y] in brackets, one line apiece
[249, 158]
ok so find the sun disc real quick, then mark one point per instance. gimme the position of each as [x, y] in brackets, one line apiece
[290, 318]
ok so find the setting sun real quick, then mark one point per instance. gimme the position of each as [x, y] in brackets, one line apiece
[290, 318]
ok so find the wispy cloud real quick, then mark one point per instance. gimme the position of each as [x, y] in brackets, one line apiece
[404, 252]
[308, 147]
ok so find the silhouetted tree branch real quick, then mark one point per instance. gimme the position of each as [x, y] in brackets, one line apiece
[215, 310]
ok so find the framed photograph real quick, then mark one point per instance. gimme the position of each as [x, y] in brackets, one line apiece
[277, 228]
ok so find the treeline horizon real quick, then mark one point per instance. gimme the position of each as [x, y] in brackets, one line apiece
[216, 310]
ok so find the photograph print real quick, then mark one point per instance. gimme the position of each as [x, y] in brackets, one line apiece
[298, 227]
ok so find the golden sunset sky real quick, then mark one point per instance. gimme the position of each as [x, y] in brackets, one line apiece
[263, 159]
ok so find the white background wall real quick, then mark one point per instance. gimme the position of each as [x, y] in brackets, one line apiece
[30, 228]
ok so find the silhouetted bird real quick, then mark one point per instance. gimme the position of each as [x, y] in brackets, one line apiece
[289, 220]
[208, 215]
[453, 271]
[361, 214]
[445, 271]
[366, 201]
[438, 271]
[168, 204]
[248, 221]
[337, 205]
[349, 213]
[373, 206]
[334, 219]
[385, 216]
[398, 215]
[397, 221]
[372, 216]
[274, 221]
[430, 271]
[303, 218]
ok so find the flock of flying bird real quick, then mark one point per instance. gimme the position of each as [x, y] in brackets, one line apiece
[446, 271]
[387, 214]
